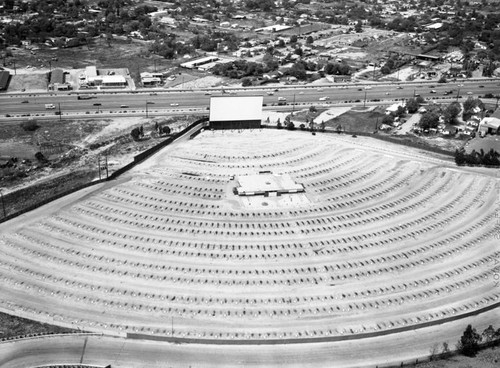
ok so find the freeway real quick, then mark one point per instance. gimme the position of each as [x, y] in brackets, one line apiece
[12, 105]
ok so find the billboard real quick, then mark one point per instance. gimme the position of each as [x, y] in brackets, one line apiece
[236, 108]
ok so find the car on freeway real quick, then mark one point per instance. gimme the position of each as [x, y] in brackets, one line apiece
[270, 93]
[433, 91]
[469, 93]
[400, 87]
[368, 87]
[281, 99]
[324, 98]
[208, 93]
[360, 89]
[174, 104]
[153, 94]
[481, 86]
[25, 101]
[124, 106]
[388, 93]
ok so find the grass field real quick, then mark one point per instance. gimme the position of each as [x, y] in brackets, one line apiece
[11, 326]
[357, 121]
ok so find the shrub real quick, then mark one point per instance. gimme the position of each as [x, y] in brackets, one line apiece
[135, 133]
[30, 125]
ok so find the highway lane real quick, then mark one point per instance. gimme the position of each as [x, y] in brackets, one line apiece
[116, 102]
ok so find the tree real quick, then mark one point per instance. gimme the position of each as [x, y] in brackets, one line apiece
[451, 112]
[468, 344]
[309, 40]
[388, 120]
[412, 105]
[488, 334]
[446, 350]
[245, 82]
[429, 120]
[322, 126]
[165, 130]
[290, 125]
[358, 27]
[40, 157]
[460, 156]
[136, 134]
[433, 351]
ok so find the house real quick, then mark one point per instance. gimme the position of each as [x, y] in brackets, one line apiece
[489, 125]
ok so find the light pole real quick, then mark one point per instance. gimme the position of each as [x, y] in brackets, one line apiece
[458, 93]
[60, 117]
[364, 102]
[3, 204]
[147, 103]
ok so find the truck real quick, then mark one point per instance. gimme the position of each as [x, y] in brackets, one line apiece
[50, 106]
[84, 97]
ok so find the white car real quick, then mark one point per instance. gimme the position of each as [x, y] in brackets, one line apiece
[368, 87]
[270, 93]
[324, 98]
[174, 104]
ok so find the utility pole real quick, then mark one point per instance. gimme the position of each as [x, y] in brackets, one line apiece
[3, 204]
[106, 157]
[60, 115]
[293, 105]
[364, 102]
[99, 166]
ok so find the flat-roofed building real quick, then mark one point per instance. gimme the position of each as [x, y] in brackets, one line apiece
[267, 184]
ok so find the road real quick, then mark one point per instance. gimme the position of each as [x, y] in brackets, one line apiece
[405, 347]
[134, 102]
